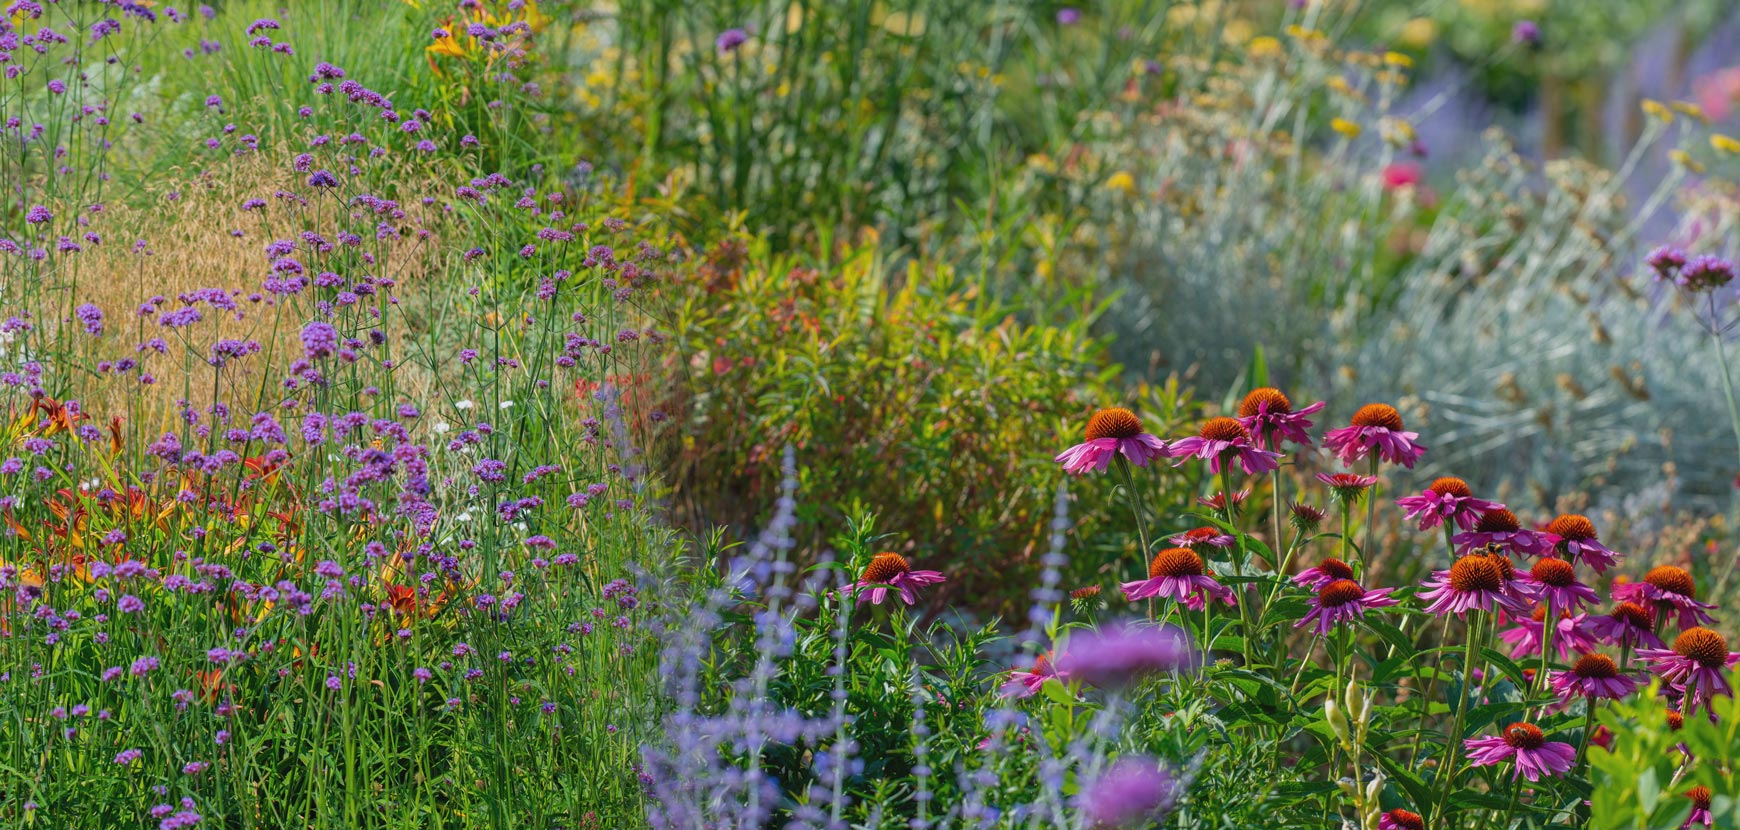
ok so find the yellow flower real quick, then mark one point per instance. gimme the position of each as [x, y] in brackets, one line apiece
[1121, 182]
[1655, 109]
[1265, 47]
[1725, 144]
[1689, 109]
[1398, 59]
[1345, 127]
[1419, 32]
[1684, 159]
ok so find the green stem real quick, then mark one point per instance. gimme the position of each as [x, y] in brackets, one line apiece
[1370, 510]
[1447, 772]
[1733, 416]
[1135, 497]
[1245, 631]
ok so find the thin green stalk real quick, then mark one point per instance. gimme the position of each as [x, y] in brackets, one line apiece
[1447, 772]
[1135, 497]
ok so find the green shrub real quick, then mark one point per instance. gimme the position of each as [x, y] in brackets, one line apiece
[909, 389]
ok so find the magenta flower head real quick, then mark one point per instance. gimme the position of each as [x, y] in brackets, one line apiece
[1347, 488]
[1399, 819]
[1526, 33]
[1527, 747]
[1474, 583]
[1133, 792]
[1111, 433]
[730, 39]
[1221, 440]
[1447, 499]
[1341, 601]
[1324, 572]
[1267, 414]
[1376, 429]
[1705, 273]
[1578, 542]
[1627, 625]
[319, 340]
[1593, 676]
[1116, 656]
[1701, 800]
[1699, 659]
[1203, 537]
[1671, 589]
[1666, 262]
[1180, 575]
[890, 572]
[1028, 682]
[1500, 527]
[1553, 580]
[1528, 636]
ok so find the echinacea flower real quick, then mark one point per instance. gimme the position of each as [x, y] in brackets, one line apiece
[1267, 413]
[1118, 655]
[1111, 433]
[1701, 798]
[1669, 588]
[1218, 501]
[1323, 573]
[1593, 676]
[1341, 601]
[1212, 537]
[1305, 518]
[1500, 527]
[890, 571]
[1219, 441]
[1553, 580]
[1527, 748]
[1133, 792]
[1178, 574]
[1028, 682]
[1628, 625]
[1447, 499]
[1528, 636]
[1399, 819]
[1347, 487]
[1578, 542]
[1474, 583]
[1376, 428]
[1696, 664]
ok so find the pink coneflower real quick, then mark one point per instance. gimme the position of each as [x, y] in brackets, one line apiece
[1554, 581]
[1527, 747]
[1347, 487]
[1305, 518]
[1212, 537]
[1592, 676]
[1179, 574]
[1323, 573]
[1402, 174]
[1111, 433]
[1376, 428]
[1220, 440]
[1699, 658]
[1627, 625]
[1578, 542]
[1341, 601]
[1473, 583]
[1447, 499]
[890, 571]
[1500, 527]
[1701, 797]
[1028, 682]
[1528, 636]
[1218, 501]
[1669, 588]
[1266, 412]
[1399, 819]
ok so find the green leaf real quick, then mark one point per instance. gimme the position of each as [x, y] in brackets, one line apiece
[1418, 792]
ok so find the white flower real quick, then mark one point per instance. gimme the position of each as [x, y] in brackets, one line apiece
[463, 405]
[506, 404]
[440, 428]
